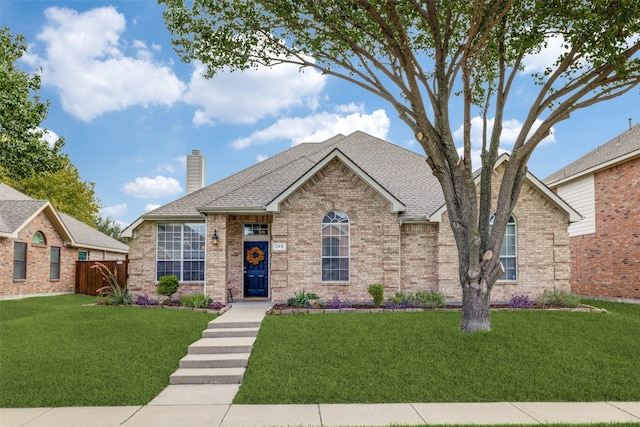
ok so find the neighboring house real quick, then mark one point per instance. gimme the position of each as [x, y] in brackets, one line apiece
[39, 246]
[333, 218]
[604, 186]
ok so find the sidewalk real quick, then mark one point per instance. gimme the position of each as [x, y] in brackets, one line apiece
[226, 415]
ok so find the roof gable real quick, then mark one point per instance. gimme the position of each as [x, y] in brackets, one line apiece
[572, 214]
[396, 205]
[17, 210]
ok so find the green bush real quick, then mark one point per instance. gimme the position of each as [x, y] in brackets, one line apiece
[558, 298]
[168, 285]
[431, 299]
[376, 291]
[197, 300]
[428, 299]
[299, 299]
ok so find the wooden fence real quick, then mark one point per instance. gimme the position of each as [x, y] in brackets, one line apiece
[89, 280]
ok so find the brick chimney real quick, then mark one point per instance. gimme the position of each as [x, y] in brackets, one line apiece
[196, 171]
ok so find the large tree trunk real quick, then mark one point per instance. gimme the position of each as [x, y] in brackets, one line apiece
[476, 313]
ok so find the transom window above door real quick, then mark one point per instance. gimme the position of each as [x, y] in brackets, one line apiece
[256, 229]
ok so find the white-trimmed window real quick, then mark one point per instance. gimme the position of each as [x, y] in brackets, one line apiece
[335, 247]
[509, 251]
[38, 238]
[54, 263]
[180, 251]
[19, 261]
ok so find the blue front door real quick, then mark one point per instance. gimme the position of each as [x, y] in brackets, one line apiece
[256, 269]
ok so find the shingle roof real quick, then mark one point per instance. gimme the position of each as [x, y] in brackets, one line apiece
[401, 172]
[17, 208]
[623, 146]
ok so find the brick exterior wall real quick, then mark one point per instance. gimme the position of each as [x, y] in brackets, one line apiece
[407, 256]
[543, 258]
[607, 263]
[38, 262]
[374, 237]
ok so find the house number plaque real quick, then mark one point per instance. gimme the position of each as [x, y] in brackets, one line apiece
[279, 246]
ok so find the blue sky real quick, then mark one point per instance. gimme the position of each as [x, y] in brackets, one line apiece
[130, 110]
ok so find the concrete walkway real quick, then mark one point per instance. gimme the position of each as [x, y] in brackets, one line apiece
[210, 405]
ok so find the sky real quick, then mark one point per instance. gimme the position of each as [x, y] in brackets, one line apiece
[130, 110]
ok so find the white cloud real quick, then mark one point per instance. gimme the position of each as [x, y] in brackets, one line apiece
[510, 131]
[48, 136]
[245, 97]
[115, 210]
[261, 157]
[145, 187]
[318, 127]
[85, 62]
[547, 56]
[150, 207]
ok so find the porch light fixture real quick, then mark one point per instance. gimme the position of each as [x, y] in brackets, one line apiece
[215, 237]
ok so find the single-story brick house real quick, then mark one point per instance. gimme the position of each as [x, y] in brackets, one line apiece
[332, 218]
[604, 185]
[39, 246]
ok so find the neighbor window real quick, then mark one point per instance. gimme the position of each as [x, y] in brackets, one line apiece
[19, 260]
[335, 247]
[83, 255]
[38, 238]
[509, 251]
[180, 251]
[54, 266]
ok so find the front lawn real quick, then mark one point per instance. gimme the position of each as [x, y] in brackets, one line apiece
[56, 352]
[530, 355]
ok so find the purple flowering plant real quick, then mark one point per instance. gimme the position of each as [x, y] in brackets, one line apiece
[521, 301]
[336, 302]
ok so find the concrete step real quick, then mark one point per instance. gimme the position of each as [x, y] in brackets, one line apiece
[208, 376]
[219, 323]
[222, 345]
[230, 332]
[221, 360]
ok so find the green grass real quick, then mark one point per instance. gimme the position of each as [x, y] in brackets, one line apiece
[56, 352]
[530, 355]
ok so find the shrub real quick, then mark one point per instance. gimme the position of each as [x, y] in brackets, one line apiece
[168, 285]
[336, 302]
[376, 291]
[521, 301]
[558, 298]
[399, 299]
[113, 293]
[430, 299]
[196, 300]
[300, 299]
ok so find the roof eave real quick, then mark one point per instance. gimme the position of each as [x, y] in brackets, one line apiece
[128, 231]
[594, 169]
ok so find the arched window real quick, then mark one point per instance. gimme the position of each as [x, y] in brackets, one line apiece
[335, 247]
[38, 238]
[509, 251]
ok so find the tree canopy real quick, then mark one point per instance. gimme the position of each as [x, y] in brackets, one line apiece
[27, 161]
[421, 56]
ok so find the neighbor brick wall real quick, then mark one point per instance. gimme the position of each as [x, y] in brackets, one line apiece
[607, 263]
[374, 232]
[38, 261]
[542, 245]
